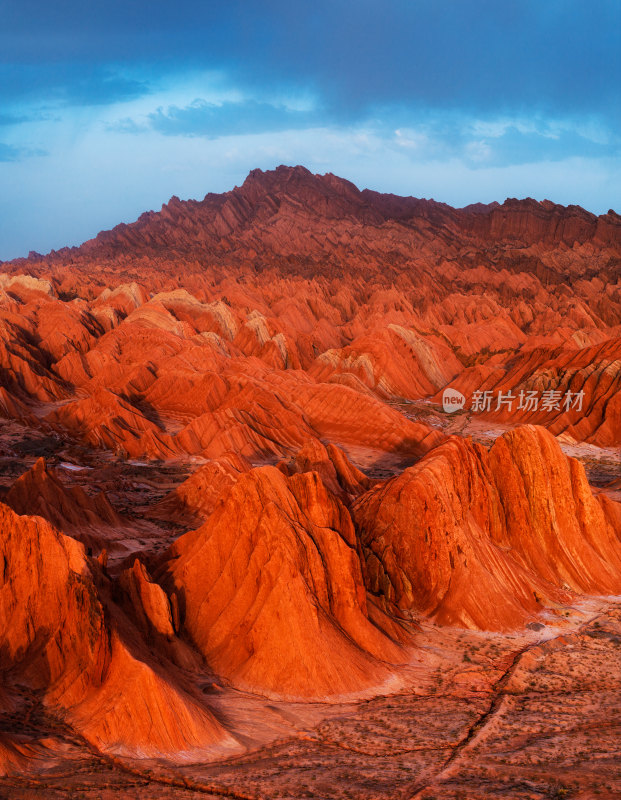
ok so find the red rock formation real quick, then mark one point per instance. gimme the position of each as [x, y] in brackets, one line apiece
[292, 321]
[295, 286]
[12, 408]
[543, 492]
[105, 420]
[393, 361]
[336, 471]
[39, 491]
[273, 592]
[194, 499]
[147, 601]
[485, 539]
[55, 639]
[585, 382]
[257, 218]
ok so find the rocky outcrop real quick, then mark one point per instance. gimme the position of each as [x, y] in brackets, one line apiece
[273, 594]
[575, 389]
[147, 601]
[61, 637]
[196, 497]
[40, 491]
[486, 539]
[323, 210]
[337, 473]
[105, 420]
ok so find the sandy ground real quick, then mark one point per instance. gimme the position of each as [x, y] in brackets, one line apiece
[534, 714]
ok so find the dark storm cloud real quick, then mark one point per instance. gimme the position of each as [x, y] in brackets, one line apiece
[66, 84]
[559, 56]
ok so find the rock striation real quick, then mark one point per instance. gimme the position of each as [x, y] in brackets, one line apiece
[485, 539]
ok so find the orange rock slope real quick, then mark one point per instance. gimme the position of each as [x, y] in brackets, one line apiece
[485, 539]
[273, 593]
[63, 639]
[40, 491]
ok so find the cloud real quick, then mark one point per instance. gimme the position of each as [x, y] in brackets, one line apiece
[13, 119]
[213, 120]
[64, 85]
[9, 152]
[558, 57]
[515, 147]
[103, 89]
[498, 140]
[424, 133]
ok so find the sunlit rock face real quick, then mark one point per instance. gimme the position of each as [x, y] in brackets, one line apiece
[482, 539]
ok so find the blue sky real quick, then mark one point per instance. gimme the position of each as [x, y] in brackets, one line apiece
[108, 109]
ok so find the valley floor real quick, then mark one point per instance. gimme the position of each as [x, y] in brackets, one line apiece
[524, 716]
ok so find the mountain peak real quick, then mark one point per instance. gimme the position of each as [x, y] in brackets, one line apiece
[292, 218]
[292, 180]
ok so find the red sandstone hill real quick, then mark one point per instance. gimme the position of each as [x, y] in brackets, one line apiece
[483, 539]
[334, 221]
[89, 518]
[63, 639]
[39, 491]
[273, 594]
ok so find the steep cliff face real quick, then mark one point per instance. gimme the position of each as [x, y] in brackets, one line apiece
[337, 473]
[52, 621]
[553, 523]
[485, 539]
[61, 638]
[273, 594]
